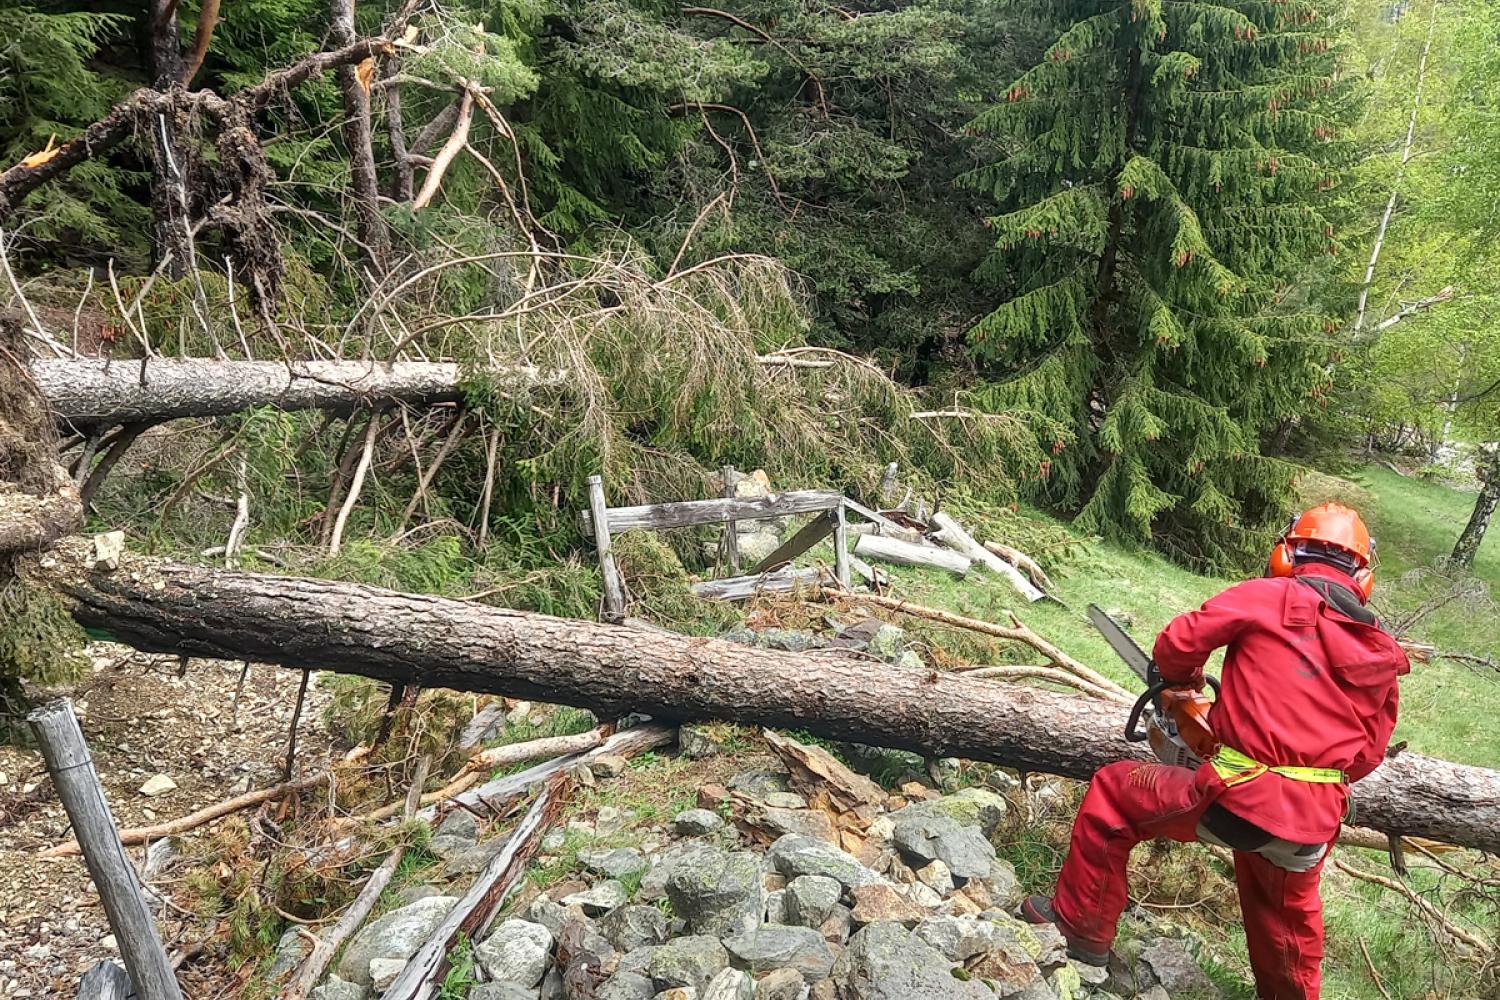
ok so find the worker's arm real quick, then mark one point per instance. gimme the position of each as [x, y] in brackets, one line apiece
[1380, 721]
[1185, 644]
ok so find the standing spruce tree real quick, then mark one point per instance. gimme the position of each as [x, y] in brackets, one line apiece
[1167, 169]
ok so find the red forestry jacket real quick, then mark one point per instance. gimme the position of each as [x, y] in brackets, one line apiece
[1304, 684]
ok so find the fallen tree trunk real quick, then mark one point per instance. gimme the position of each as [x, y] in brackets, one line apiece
[893, 550]
[162, 606]
[90, 392]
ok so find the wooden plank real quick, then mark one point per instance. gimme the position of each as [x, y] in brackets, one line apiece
[472, 914]
[614, 587]
[657, 516]
[874, 577]
[901, 553]
[884, 525]
[952, 534]
[810, 534]
[841, 549]
[739, 588]
[72, 769]
[731, 538]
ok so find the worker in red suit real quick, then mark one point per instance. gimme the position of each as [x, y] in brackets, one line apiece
[1307, 707]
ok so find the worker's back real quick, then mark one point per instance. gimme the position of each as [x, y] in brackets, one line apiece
[1305, 683]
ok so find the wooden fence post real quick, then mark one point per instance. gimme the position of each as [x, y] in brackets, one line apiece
[614, 588]
[730, 541]
[72, 769]
[841, 548]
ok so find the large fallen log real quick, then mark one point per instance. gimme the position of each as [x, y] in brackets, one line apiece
[91, 392]
[167, 607]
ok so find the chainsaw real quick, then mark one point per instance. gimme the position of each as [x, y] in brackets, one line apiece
[1176, 718]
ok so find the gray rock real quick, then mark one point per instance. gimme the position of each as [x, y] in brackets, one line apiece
[981, 807]
[470, 858]
[383, 972]
[459, 823]
[677, 993]
[759, 784]
[776, 907]
[687, 961]
[839, 925]
[609, 820]
[811, 898]
[517, 951]
[939, 877]
[1089, 975]
[731, 984]
[1005, 888]
[885, 961]
[586, 951]
[1176, 970]
[501, 991]
[601, 898]
[780, 822]
[696, 822]
[910, 660]
[626, 986]
[335, 988]
[718, 893]
[552, 985]
[696, 744]
[550, 915]
[888, 642]
[608, 765]
[632, 927]
[636, 960]
[290, 951]
[782, 984]
[654, 882]
[398, 934]
[794, 855]
[924, 839]
[774, 947]
[755, 547]
[785, 800]
[958, 938]
[618, 863]
[457, 833]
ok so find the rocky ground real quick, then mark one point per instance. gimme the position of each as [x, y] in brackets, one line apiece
[751, 896]
[741, 866]
[164, 743]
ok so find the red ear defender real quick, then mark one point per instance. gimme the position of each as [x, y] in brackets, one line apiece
[1281, 560]
[1280, 563]
[1365, 581]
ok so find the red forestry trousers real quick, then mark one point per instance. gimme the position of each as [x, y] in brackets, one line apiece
[1129, 802]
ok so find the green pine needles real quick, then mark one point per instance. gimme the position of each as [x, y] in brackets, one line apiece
[1165, 173]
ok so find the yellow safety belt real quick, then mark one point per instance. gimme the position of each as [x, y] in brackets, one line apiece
[1236, 768]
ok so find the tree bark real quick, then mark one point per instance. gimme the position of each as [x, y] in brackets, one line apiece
[1488, 470]
[358, 141]
[162, 606]
[99, 392]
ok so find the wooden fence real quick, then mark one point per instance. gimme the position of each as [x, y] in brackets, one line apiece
[773, 573]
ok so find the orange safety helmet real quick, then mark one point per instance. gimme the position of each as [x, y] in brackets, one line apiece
[1335, 526]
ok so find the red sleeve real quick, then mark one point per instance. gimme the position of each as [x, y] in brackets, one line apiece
[1185, 644]
[1380, 724]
